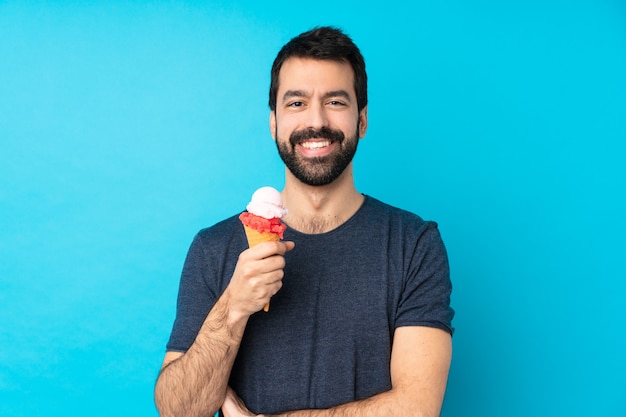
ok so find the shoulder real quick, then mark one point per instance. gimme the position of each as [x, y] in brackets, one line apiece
[221, 228]
[396, 217]
[215, 249]
[404, 230]
[225, 233]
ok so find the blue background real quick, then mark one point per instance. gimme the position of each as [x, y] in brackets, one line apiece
[125, 127]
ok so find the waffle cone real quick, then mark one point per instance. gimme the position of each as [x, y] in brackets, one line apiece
[254, 238]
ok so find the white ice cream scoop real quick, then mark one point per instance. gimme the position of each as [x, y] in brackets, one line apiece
[267, 203]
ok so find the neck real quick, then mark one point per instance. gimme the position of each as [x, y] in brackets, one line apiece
[319, 209]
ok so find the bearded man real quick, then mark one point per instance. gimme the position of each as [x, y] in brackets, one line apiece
[360, 321]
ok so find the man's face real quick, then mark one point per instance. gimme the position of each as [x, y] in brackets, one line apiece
[317, 124]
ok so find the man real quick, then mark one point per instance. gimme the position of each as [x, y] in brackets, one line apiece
[360, 321]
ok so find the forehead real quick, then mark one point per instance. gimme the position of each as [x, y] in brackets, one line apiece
[313, 74]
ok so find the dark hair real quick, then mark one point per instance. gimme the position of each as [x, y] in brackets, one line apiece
[324, 43]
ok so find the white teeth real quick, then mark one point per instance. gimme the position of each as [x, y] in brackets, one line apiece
[315, 145]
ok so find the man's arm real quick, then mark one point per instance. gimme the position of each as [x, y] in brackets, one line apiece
[195, 383]
[420, 361]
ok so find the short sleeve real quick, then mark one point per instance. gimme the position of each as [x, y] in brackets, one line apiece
[425, 297]
[195, 298]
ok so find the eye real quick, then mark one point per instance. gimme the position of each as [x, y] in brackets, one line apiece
[336, 103]
[295, 104]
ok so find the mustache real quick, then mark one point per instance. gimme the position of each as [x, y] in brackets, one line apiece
[300, 136]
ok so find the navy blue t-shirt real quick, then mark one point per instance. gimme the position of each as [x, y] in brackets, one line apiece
[328, 335]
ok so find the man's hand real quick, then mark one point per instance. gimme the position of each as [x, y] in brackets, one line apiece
[234, 407]
[257, 277]
[202, 372]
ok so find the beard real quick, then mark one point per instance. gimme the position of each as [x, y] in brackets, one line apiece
[323, 170]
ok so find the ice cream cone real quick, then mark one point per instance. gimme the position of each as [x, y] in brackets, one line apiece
[254, 238]
[261, 221]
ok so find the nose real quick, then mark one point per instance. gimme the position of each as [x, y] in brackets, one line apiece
[316, 117]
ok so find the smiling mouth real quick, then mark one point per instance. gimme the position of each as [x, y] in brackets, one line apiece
[318, 144]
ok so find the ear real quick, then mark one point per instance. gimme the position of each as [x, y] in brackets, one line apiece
[362, 122]
[273, 124]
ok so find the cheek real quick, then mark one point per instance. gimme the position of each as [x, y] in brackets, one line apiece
[284, 127]
[352, 127]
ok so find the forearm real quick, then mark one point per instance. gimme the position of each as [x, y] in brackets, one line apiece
[391, 403]
[195, 384]
[379, 405]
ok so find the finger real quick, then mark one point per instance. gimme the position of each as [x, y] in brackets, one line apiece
[265, 280]
[270, 291]
[289, 245]
[275, 287]
[265, 249]
[272, 263]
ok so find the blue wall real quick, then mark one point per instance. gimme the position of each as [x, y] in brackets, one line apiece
[126, 127]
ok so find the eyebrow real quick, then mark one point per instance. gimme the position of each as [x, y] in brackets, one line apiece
[300, 93]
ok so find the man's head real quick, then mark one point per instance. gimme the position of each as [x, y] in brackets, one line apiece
[318, 99]
[323, 43]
